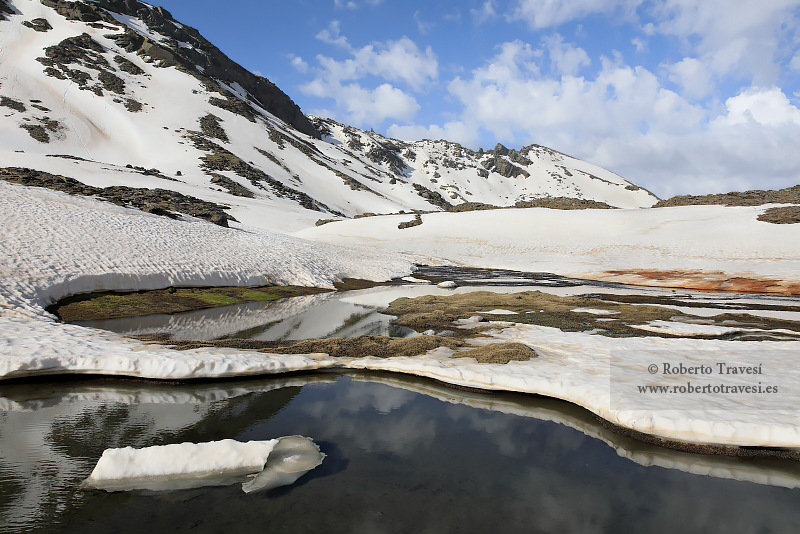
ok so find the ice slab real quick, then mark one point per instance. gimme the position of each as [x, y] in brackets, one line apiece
[275, 462]
[291, 458]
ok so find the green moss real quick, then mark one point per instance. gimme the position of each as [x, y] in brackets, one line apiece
[108, 305]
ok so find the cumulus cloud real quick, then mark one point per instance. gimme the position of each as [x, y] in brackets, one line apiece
[626, 120]
[359, 106]
[485, 13]
[298, 63]
[332, 35]
[565, 57]
[398, 62]
[639, 44]
[693, 76]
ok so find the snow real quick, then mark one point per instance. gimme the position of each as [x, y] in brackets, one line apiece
[273, 463]
[180, 459]
[40, 347]
[594, 311]
[55, 245]
[291, 458]
[95, 246]
[685, 329]
[593, 371]
[592, 244]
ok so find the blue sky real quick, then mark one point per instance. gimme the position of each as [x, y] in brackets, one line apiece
[680, 96]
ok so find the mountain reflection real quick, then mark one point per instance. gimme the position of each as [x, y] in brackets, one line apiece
[402, 454]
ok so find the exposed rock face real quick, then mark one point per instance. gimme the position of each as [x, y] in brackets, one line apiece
[563, 203]
[756, 197]
[388, 153]
[39, 25]
[233, 187]
[782, 215]
[156, 201]
[214, 65]
[432, 196]
[5, 9]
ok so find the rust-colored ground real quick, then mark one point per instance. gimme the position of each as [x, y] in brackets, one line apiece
[702, 280]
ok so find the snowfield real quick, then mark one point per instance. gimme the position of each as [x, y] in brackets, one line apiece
[697, 243]
[55, 245]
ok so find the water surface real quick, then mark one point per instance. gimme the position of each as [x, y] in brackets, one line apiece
[403, 455]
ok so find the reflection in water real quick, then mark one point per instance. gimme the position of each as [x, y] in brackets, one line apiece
[403, 454]
[312, 316]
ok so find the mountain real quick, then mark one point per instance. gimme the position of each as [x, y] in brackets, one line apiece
[118, 93]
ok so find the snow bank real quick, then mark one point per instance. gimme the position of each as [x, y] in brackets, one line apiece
[56, 245]
[598, 372]
[38, 347]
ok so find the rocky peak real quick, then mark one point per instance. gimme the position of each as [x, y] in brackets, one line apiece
[202, 59]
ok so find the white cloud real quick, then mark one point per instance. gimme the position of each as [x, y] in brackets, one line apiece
[565, 57]
[794, 64]
[423, 26]
[350, 4]
[626, 120]
[341, 4]
[332, 35]
[693, 76]
[641, 46]
[550, 13]
[764, 106]
[485, 13]
[298, 63]
[359, 106]
[399, 60]
[736, 37]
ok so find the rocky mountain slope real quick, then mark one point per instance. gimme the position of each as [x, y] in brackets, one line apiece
[118, 93]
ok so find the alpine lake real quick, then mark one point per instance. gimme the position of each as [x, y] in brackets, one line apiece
[402, 453]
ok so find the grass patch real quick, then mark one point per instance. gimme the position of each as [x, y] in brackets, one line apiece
[543, 309]
[111, 305]
[353, 347]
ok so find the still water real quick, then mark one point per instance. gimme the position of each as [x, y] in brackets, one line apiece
[402, 455]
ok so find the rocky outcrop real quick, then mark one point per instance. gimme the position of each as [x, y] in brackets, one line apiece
[781, 215]
[156, 201]
[389, 154]
[756, 197]
[212, 63]
[5, 10]
[564, 203]
[432, 197]
[39, 25]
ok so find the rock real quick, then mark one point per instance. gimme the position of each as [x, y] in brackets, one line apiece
[448, 284]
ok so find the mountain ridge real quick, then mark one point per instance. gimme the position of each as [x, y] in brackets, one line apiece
[133, 88]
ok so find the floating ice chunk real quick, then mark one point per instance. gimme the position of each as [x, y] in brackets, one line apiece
[594, 311]
[291, 458]
[414, 280]
[448, 284]
[178, 466]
